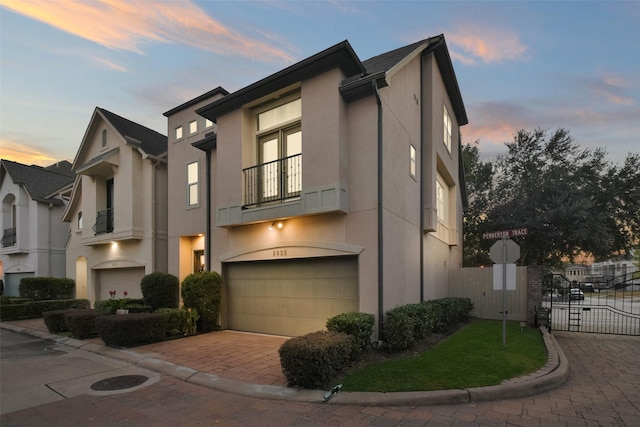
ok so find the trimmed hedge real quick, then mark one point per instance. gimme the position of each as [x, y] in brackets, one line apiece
[315, 359]
[47, 288]
[127, 330]
[82, 323]
[12, 312]
[358, 325]
[54, 320]
[35, 309]
[110, 306]
[176, 321]
[407, 323]
[399, 330]
[160, 290]
[203, 291]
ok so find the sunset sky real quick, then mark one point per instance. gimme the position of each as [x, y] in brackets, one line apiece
[548, 64]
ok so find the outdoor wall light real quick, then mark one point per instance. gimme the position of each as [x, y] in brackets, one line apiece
[276, 225]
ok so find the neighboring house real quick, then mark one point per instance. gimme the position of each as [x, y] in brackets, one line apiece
[187, 172]
[576, 273]
[335, 186]
[614, 268]
[33, 237]
[118, 207]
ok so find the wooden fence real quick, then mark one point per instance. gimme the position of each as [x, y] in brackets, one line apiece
[477, 285]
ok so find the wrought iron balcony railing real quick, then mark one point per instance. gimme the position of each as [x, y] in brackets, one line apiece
[104, 222]
[9, 237]
[274, 181]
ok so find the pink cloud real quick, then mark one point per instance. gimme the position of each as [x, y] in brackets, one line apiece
[470, 44]
[613, 88]
[131, 24]
[24, 154]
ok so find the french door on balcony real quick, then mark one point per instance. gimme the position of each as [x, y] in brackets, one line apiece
[104, 218]
[280, 175]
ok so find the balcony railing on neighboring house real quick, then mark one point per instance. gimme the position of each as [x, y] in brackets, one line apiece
[104, 222]
[274, 181]
[9, 237]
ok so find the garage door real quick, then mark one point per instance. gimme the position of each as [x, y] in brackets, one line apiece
[119, 280]
[290, 297]
[12, 283]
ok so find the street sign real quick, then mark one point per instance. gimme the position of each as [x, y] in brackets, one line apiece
[504, 252]
[504, 277]
[505, 234]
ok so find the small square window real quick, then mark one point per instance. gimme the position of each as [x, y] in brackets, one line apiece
[179, 132]
[207, 123]
[193, 127]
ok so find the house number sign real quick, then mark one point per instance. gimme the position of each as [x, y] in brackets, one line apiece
[280, 252]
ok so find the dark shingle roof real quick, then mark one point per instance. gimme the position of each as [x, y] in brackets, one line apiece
[41, 182]
[386, 61]
[152, 142]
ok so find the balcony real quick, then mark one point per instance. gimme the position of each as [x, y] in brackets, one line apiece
[9, 237]
[272, 182]
[104, 222]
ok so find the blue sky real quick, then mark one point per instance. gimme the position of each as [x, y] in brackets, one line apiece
[519, 64]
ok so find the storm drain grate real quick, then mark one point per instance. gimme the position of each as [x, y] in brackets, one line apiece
[119, 383]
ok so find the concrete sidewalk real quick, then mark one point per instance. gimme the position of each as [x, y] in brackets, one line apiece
[248, 364]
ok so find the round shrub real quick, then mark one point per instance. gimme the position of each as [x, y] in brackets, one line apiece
[203, 291]
[160, 290]
[358, 325]
[54, 320]
[316, 359]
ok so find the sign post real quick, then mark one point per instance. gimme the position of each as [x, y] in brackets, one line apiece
[504, 252]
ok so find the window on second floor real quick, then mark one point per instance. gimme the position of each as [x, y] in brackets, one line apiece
[412, 160]
[192, 184]
[447, 129]
[441, 201]
[179, 132]
[207, 123]
[9, 232]
[105, 140]
[79, 220]
[278, 174]
[193, 127]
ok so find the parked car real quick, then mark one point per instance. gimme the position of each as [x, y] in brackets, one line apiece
[576, 294]
[587, 287]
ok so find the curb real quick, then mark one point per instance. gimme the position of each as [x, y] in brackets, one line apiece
[552, 375]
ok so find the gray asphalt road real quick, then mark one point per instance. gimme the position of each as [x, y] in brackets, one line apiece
[35, 372]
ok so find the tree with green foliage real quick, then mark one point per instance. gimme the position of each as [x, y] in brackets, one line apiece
[572, 200]
[479, 177]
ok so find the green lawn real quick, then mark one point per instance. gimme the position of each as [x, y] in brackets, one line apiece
[471, 357]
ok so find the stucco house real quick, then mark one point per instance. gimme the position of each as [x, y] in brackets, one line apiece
[333, 185]
[187, 173]
[117, 208]
[33, 237]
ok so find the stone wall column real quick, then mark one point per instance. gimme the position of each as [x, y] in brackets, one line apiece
[535, 276]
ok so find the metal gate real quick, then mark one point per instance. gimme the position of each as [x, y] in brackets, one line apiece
[603, 307]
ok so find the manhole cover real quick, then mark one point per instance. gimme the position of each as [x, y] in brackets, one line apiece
[119, 383]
